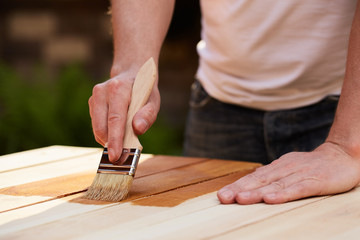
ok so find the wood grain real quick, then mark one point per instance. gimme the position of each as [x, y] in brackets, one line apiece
[180, 195]
[171, 198]
[174, 178]
[177, 176]
[42, 156]
[31, 190]
[50, 170]
[193, 219]
[334, 217]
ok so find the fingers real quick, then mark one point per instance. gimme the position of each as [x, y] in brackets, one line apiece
[273, 183]
[146, 116]
[108, 110]
[99, 113]
[108, 107]
[326, 170]
[261, 177]
[284, 190]
[302, 189]
[118, 98]
[244, 185]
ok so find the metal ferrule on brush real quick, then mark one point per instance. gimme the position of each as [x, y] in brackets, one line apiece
[130, 158]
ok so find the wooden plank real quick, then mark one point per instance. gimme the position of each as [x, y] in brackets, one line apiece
[50, 170]
[70, 165]
[180, 176]
[186, 175]
[62, 185]
[195, 217]
[150, 164]
[200, 223]
[9, 202]
[179, 195]
[55, 187]
[155, 177]
[40, 165]
[35, 192]
[332, 218]
[29, 217]
[42, 156]
[171, 198]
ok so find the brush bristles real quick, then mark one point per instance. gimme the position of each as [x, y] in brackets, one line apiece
[109, 187]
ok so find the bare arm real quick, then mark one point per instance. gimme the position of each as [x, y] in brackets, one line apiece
[333, 167]
[345, 131]
[139, 28]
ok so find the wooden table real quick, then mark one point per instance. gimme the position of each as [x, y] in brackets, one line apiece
[171, 198]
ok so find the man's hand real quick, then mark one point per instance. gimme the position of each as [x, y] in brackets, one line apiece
[326, 170]
[108, 110]
[139, 29]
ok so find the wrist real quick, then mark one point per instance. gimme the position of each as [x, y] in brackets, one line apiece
[349, 147]
[129, 66]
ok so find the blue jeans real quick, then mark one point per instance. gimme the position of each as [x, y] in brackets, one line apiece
[220, 130]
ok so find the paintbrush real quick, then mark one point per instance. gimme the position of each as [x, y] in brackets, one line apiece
[113, 181]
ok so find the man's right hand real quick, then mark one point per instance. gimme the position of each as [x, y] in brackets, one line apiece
[139, 29]
[108, 107]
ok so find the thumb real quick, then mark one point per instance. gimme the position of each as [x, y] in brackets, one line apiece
[146, 116]
[143, 119]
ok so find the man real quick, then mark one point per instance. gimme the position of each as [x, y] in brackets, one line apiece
[268, 76]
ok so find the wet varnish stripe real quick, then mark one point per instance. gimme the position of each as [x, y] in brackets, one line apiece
[72, 183]
[163, 191]
[184, 176]
[53, 187]
[180, 195]
[167, 179]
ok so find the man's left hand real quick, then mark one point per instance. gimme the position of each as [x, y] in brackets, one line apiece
[326, 170]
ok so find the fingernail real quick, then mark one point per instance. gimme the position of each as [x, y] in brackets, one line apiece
[111, 154]
[141, 125]
[227, 194]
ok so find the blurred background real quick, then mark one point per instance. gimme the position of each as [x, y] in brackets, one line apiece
[53, 52]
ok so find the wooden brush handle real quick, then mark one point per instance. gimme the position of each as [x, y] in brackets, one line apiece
[143, 85]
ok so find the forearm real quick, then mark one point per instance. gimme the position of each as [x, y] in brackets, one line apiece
[139, 28]
[346, 127]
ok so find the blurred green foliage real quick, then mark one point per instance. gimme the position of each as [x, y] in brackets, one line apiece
[162, 138]
[39, 111]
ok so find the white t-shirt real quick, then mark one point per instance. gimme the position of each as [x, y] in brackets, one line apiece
[274, 54]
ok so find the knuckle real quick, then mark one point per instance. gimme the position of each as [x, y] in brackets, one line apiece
[114, 83]
[116, 86]
[279, 185]
[276, 161]
[114, 118]
[117, 83]
[97, 90]
[303, 188]
[258, 177]
[150, 113]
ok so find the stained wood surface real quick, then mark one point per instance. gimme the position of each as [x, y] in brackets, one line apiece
[171, 198]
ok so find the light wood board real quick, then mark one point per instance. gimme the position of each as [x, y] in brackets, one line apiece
[171, 198]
